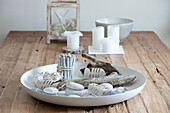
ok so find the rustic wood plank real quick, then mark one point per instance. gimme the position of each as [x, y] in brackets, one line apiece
[100, 110]
[51, 54]
[147, 101]
[8, 59]
[27, 34]
[117, 108]
[150, 67]
[12, 88]
[135, 102]
[36, 55]
[153, 55]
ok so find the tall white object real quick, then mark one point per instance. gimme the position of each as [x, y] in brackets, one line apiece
[107, 45]
[98, 35]
[73, 39]
[113, 33]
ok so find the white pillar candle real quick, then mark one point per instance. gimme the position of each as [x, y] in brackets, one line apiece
[73, 42]
[98, 35]
[73, 39]
[113, 33]
[107, 45]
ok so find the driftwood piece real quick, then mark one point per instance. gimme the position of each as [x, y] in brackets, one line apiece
[114, 79]
[108, 68]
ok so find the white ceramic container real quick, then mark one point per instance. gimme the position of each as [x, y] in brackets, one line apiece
[61, 99]
[125, 25]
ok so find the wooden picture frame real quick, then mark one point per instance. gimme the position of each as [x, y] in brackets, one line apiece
[61, 4]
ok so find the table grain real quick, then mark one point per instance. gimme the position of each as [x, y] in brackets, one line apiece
[25, 50]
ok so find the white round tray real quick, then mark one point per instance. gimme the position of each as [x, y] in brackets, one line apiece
[132, 89]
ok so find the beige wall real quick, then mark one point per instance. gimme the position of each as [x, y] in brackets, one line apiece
[149, 15]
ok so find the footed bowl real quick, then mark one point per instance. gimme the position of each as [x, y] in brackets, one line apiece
[125, 25]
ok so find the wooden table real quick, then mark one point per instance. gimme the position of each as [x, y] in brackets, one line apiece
[144, 52]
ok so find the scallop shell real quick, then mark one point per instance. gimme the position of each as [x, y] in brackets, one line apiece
[74, 92]
[50, 90]
[96, 89]
[74, 86]
[107, 86]
[94, 72]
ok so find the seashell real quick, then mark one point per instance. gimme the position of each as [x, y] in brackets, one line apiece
[74, 86]
[96, 89]
[74, 92]
[51, 76]
[50, 90]
[36, 77]
[106, 86]
[46, 83]
[94, 72]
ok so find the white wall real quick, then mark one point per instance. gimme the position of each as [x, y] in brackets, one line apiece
[149, 15]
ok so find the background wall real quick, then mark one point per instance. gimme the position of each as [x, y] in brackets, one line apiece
[149, 15]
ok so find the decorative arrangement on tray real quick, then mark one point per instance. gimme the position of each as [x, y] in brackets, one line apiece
[106, 45]
[99, 78]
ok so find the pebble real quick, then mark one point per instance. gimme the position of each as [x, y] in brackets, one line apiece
[74, 96]
[120, 89]
[117, 90]
[74, 92]
[37, 89]
[74, 86]
[107, 86]
[50, 90]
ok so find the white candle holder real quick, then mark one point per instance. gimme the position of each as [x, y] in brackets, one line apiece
[73, 42]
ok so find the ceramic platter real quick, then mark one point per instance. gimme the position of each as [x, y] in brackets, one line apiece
[132, 89]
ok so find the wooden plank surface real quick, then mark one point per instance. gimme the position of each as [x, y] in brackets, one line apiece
[144, 52]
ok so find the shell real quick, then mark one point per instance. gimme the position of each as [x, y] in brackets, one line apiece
[96, 89]
[94, 72]
[50, 90]
[74, 86]
[45, 79]
[46, 83]
[51, 76]
[107, 86]
[74, 92]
